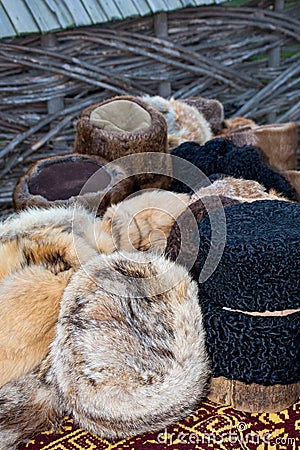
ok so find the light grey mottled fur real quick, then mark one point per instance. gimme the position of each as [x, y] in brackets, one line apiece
[128, 357]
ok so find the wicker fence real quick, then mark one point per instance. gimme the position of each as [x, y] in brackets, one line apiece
[246, 57]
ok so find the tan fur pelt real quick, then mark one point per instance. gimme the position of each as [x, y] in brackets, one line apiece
[236, 123]
[128, 357]
[184, 121]
[212, 110]
[238, 188]
[39, 251]
[142, 222]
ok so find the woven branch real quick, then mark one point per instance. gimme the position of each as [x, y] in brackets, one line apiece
[215, 52]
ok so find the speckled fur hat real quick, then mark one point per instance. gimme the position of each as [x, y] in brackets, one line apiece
[185, 122]
[128, 356]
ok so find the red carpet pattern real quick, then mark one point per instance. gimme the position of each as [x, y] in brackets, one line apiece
[211, 427]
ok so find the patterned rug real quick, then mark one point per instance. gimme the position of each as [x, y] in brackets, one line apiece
[211, 427]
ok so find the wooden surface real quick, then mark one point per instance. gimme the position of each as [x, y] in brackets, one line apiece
[253, 398]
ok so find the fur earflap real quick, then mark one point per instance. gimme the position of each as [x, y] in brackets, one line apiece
[128, 357]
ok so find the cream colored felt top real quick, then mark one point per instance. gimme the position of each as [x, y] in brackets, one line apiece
[122, 116]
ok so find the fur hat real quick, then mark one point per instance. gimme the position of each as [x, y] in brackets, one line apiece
[293, 177]
[183, 240]
[65, 180]
[128, 356]
[122, 126]
[39, 252]
[277, 142]
[212, 110]
[223, 157]
[141, 222]
[144, 220]
[250, 301]
[238, 188]
[185, 122]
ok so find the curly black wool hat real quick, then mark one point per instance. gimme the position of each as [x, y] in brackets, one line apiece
[223, 157]
[251, 301]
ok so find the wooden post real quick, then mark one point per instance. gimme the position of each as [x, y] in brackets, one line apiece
[274, 56]
[49, 42]
[160, 22]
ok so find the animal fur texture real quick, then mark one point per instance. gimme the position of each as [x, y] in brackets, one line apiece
[128, 356]
[112, 145]
[236, 123]
[212, 110]
[221, 156]
[277, 142]
[142, 222]
[185, 122]
[39, 251]
[238, 188]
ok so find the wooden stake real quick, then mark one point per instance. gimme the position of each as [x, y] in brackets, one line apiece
[160, 22]
[274, 55]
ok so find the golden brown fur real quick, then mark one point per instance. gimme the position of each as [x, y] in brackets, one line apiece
[185, 122]
[128, 356]
[39, 251]
[29, 305]
[142, 222]
[238, 188]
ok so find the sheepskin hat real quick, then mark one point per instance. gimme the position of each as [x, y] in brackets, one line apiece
[122, 126]
[222, 156]
[250, 301]
[64, 180]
